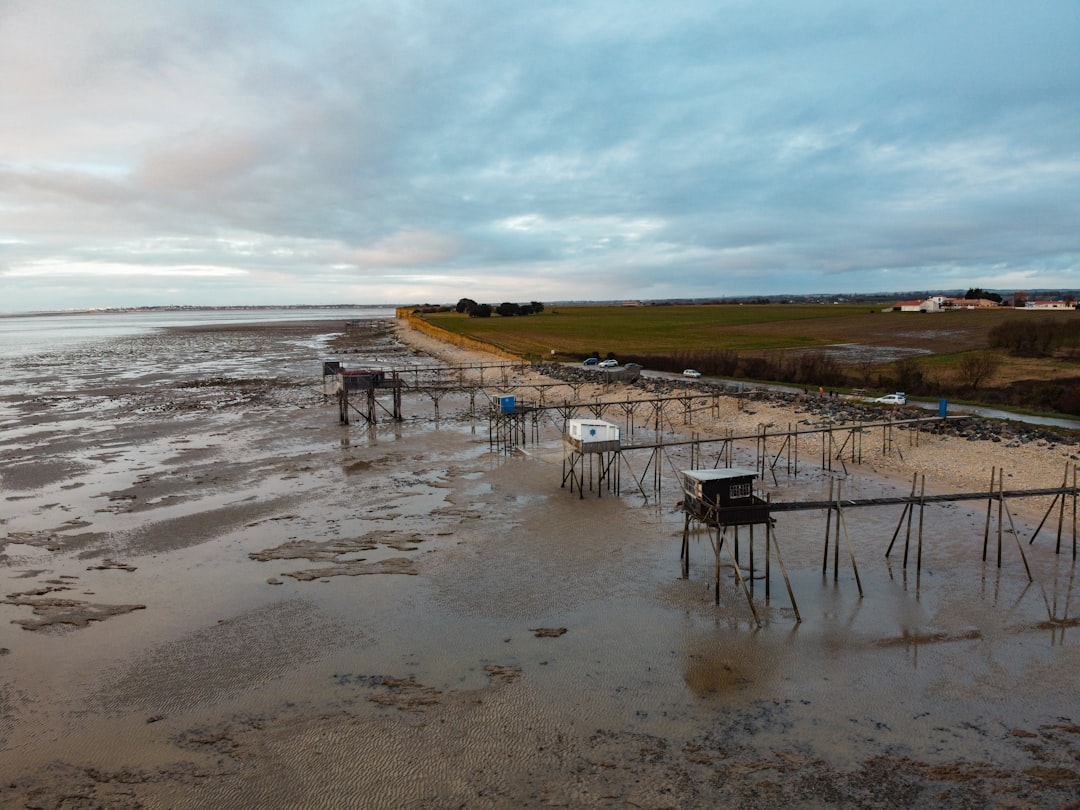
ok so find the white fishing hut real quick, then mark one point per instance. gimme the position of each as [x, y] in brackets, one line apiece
[592, 435]
[592, 445]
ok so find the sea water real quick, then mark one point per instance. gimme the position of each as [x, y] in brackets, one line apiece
[37, 333]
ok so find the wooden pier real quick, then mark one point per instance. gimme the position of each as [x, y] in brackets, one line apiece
[828, 445]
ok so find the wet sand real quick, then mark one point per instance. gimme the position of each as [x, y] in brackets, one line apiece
[214, 595]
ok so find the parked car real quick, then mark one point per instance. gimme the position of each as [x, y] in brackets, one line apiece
[609, 362]
[899, 398]
[591, 361]
[691, 372]
[633, 365]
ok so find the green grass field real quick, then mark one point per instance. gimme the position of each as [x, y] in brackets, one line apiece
[644, 331]
[577, 331]
[667, 337]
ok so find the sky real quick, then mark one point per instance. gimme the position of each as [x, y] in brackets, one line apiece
[196, 153]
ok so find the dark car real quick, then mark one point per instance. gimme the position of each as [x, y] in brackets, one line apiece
[591, 361]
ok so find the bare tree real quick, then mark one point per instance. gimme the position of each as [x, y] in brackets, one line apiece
[976, 368]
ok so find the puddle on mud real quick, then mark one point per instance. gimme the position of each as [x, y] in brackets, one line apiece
[865, 353]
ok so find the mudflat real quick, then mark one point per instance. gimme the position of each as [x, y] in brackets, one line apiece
[215, 595]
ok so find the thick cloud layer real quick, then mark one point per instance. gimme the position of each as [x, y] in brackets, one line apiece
[394, 152]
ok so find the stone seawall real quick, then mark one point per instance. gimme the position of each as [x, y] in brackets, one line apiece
[461, 341]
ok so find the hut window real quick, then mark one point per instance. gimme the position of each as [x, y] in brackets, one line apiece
[739, 490]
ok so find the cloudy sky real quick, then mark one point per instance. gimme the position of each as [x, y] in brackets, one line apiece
[186, 152]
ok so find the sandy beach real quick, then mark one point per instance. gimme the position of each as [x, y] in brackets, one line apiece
[215, 595]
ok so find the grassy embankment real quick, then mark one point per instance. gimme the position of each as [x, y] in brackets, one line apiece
[785, 343]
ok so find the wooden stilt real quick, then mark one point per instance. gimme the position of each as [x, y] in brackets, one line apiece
[751, 545]
[836, 539]
[903, 514]
[907, 535]
[343, 405]
[742, 582]
[1001, 506]
[989, 506]
[716, 564]
[828, 529]
[1061, 511]
[922, 509]
[1074, 512]
[767, 563]
[1019, 545]
[769, 533]
[851, 551]
[684, 554]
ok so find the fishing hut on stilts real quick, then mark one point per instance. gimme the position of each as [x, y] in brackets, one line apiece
[721, 501]
[592, 449]
[511, 422]
[363, 384]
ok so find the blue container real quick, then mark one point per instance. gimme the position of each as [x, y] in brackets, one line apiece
[942, 408]
[506, 404]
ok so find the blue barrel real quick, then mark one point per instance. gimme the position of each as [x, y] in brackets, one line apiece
[942, 408]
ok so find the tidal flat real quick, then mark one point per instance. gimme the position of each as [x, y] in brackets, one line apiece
[213, 594]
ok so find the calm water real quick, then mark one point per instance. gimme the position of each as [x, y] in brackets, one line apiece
[22, 335]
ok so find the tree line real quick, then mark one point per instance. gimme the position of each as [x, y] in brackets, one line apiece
[1030, 337]
[506, 309]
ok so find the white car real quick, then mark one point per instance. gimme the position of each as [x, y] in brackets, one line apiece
[898, 398]
[691, 372]
[608, 363]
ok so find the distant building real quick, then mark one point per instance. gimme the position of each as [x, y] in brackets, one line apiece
[1049, 305]
[908, 306]
[941, 303]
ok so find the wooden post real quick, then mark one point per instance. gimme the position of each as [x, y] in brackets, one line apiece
[716, 567]
[752, 556]
[1061, 510]
[1051, 509]
[742, 582]
[903, 514]
[1023, 556]
[796, 450]
[767, 532]
[922, 509]
[907, 534]
[836, 538]
[343, 403]
[851, 551]
[684, 554]
[783, 569]
[1001, 506]
[989, 506]
[828, 527]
